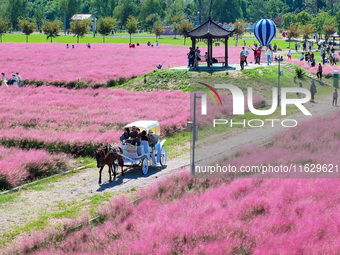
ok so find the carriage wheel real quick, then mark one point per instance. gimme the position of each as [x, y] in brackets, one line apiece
[164, 156]
[145, 166]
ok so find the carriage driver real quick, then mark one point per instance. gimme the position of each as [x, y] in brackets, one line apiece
[135, 136]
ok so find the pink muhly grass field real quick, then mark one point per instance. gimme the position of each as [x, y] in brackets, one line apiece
[326, 69]
[19, 165]
[53, 62]
[182, 215]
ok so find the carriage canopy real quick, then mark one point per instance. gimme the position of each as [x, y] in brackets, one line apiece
[147, 125]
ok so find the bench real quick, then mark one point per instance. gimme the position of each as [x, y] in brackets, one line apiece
[219, 60]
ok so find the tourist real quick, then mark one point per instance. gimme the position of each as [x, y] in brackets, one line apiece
[268, 54]
[275, 47]
[73, 46]
[244, 43]
[304, 46]
[149, 43]
[3, 80]
[143, 136]
[20, 81]
[330, 59]
[135, 136]
[88, 45]
[323, 55]
[192, 56]
[197, 58]
[255, 44]
[242, 59]
[302, 56]
[160, 65]
[137, 43]
[258, 55]
[157, 43]
[13, 79]
[254, 50]
[206, 56]
[312, 90]
[236, 43]
[289, 54]
[335, 98]
[67, 46]
[296, 46]
[334, 58]
[246, 53]
[125, 135]
[319, 72]
[313, 62]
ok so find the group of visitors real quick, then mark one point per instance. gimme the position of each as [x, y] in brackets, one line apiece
[135, 137]
[305, 46]
[73, 47]
[194, 56]
[15, 80]
[150, 44]
[332, 58]
[309, 57]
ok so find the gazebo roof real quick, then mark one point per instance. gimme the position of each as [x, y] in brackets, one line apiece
[334, 35]
[210, 29]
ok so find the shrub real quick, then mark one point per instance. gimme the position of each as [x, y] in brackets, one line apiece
[299, 72]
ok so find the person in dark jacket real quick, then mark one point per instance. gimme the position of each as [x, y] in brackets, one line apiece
[135, 136]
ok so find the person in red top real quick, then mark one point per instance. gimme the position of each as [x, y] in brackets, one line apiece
[258, 55]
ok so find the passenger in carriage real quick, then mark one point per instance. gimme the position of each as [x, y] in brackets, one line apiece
[152, 139]
[143, 136]
[135, 136]
[125, 136]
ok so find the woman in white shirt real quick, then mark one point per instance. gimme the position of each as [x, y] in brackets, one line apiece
[269, 54]
[3, 80]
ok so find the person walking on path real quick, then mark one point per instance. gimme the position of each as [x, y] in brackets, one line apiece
[254, 50]
[312, 90]
[242, 59]
[335, 98]
[258, 55]
[3, 80]
[319, 72]
[268, 54]
[289, 54]
[246, 53]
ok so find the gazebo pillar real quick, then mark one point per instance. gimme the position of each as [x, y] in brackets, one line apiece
[226, 52]
[193, 41]
[209, 50]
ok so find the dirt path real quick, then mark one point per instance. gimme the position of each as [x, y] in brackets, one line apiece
[79, 187]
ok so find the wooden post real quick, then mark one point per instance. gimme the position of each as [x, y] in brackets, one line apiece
[226, 52]
[193, 45]
[209, 50]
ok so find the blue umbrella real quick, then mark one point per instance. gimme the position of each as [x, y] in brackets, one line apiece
[264, 31]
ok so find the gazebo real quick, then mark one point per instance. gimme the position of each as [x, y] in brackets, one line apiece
[211, 32]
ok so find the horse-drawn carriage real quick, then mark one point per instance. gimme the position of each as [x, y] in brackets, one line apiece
[152, 152]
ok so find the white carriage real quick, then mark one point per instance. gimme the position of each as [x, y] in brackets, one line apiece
[149, 153]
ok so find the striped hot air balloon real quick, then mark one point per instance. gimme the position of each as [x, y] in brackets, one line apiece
[265, 31]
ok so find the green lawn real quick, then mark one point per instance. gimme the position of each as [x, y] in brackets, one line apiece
[142, 38]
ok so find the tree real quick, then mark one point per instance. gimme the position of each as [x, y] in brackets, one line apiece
[131, 25]
[39, 16]
[239, 29]
[223, 10]
[51, 29]
[69, 7]
[306, 31]
[319, 21]
[338, 21]
[329, 26]
[184, 28]
[176, 20]
[288, 19]
[26, 27]
[148, 22]
[4, 26]
[15, 9]
[292, 32]
[80, 27]
[158, 29]
[124, 10]
[303, 18]
[106, 25]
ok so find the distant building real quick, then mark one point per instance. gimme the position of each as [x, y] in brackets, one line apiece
[82, 17]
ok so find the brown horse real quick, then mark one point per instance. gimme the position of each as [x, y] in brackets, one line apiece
[107, 155]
